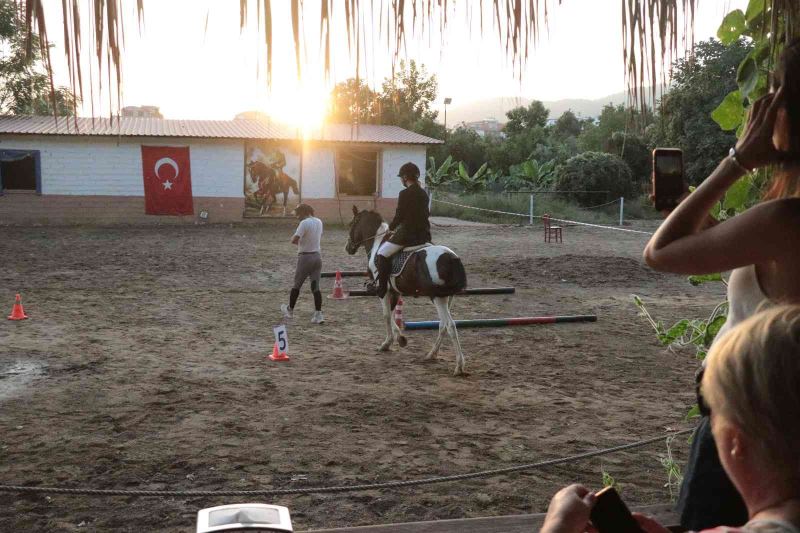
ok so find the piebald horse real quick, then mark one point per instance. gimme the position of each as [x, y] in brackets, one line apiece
[434, 271]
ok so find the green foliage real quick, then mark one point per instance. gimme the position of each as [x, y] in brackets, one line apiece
[595, 171]
[436, 176]
[353, 103]
[406, 98]
[471, 182]
[567, 125]
[24, 85]
[701, 83]
[635, 152]
[673, 470]
[521, 119]
[730, 113]
[608, 480]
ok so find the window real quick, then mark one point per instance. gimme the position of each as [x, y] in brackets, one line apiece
[17, 171]
[357, 172]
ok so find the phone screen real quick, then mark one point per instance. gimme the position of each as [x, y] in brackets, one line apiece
[611, 515]
[668, 182]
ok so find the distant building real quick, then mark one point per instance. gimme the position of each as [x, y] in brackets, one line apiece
[142, 111]
[489, 127]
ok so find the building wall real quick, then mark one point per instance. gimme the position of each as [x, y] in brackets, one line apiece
[99, 180]
[101, 166]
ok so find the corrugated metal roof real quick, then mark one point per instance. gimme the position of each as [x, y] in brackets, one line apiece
[210, 129]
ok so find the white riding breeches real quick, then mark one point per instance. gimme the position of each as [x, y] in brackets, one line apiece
[388, 249]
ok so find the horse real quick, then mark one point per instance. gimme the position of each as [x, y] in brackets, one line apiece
[271, 182]
[433, 271]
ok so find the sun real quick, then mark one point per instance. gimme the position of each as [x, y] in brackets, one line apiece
[301, 106]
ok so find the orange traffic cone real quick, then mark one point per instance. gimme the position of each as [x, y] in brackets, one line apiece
[277, 356]
[398, 314]
[17, 312]
[338, 288]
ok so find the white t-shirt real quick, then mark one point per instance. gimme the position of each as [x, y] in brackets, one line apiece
[310, 233]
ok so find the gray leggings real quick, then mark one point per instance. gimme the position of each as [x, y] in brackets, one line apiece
[309, 265]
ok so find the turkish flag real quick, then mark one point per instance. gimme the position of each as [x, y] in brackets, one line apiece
[167, 180]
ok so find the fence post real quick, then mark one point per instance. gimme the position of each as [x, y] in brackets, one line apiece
[621, 209]
[530, 212]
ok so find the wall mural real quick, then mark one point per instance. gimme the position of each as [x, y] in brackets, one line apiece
[271, 174]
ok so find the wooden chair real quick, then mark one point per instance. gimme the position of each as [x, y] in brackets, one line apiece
[551, 231]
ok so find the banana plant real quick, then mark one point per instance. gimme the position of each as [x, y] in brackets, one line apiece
[474, 183]
[533, 173]
[436, 176]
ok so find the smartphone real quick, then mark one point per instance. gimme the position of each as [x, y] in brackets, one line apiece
[668, 179]
[611, 515]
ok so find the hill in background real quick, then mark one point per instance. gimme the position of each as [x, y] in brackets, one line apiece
[497, 107]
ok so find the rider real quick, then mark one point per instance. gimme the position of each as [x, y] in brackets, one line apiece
[410, 223]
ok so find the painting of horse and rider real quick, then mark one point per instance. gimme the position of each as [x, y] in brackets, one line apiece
[270, 184]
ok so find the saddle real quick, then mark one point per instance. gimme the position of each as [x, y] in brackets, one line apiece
[400, 259]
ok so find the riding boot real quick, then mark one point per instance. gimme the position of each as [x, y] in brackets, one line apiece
[384, 267]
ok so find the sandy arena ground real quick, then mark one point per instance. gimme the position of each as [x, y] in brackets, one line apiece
[143, 367]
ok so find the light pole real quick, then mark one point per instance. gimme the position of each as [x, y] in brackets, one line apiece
[446, 102]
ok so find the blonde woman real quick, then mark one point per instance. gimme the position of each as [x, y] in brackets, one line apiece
[750, 392]
[762, 249]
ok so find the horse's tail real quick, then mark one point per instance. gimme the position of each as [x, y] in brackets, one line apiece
[453, 274]
[293, 185]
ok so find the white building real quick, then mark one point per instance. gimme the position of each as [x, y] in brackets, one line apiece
[93, 172]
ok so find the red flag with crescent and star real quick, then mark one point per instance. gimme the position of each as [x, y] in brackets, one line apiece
[167, 180]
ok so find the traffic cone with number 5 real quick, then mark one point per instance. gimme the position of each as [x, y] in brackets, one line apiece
[277, 355]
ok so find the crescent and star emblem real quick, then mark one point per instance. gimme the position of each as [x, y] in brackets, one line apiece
[166, 161]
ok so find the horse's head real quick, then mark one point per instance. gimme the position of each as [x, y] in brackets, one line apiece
[362, 229]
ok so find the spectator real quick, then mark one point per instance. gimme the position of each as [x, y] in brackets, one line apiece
[750, 393]
[309, 261]
[762, 248]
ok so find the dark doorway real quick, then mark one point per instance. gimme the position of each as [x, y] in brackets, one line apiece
[19, 174]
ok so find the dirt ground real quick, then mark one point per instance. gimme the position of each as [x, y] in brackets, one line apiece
[143, 367]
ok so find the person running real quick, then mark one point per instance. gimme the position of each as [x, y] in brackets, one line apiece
[410, 224]
[309, 261]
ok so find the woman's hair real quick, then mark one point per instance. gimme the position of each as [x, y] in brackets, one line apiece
[753, 380]
[304, 210]
[786, 182]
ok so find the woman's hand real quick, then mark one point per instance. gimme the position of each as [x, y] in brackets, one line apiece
[569, 511]
[755, 148]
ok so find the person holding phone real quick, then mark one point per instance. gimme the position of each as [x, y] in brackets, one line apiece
[760, 246]
[750, 392]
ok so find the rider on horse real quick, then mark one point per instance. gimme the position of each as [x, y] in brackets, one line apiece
[410, 224]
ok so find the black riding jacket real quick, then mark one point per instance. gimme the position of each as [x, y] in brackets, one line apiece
[411, 218]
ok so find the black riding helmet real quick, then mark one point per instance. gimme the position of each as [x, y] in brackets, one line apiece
[409, 170]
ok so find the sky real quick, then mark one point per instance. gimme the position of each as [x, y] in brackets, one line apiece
[192, 61]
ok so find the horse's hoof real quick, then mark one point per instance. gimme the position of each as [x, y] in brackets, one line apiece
[384, 347]
[431, 356]
[402, 341]
[459, 372]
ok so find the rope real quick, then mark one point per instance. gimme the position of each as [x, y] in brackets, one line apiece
[601, 205]
[551, 218]
[340, 488]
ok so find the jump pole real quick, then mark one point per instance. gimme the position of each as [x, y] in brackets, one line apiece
[504, 322]
[346, 274]
[467, 292]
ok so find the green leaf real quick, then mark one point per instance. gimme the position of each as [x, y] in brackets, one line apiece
[713, 328]
[730, 112]
[694, 412]
[673, 333]
[732, 27]
[736, 197]
[754, 9]
[747, 76]
[705, 278]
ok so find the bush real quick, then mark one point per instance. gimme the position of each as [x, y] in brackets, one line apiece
[596, 171]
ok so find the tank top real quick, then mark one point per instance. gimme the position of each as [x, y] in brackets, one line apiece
[745, 298]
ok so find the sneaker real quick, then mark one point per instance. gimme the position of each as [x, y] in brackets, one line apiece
[317, 318]
[288, 312]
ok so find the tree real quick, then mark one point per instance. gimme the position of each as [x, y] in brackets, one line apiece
[24, 83]
[465, 145]
[595, 137]
[567, 125]
[634, 151]
[353, 103]
[700, 83]
[596, 171]
[406, 99]
[521, 119]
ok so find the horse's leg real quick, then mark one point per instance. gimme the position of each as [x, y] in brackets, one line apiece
[439, 338]
[285, 198]
[387, 316]
[397, 333]
[443, 306]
